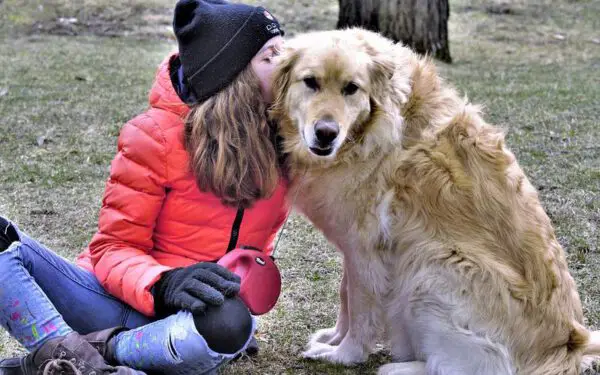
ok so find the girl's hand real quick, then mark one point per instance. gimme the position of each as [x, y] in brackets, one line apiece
[193, 288]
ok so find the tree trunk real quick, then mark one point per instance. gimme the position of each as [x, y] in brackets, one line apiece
[420, 24]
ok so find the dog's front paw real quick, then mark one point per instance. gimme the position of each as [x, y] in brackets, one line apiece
[331, 336]
[346, 353]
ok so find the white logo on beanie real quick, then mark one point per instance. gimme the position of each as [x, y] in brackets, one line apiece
[273, 28]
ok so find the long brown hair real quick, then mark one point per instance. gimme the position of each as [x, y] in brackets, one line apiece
[232, 145]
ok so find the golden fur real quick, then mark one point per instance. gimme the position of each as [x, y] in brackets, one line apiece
[231, 143]
[448, 253]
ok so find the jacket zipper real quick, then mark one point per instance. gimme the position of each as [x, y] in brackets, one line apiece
[235, 230]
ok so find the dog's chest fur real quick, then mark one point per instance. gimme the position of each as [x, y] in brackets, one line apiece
[349, 203]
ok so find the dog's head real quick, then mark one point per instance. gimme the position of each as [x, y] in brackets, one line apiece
[329, 87]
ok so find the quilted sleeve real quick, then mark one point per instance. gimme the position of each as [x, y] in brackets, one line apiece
[132, 201]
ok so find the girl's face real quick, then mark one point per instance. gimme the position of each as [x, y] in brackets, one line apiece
[263, 66]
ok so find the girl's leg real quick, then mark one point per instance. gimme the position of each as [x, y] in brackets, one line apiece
[69, 295]
[25, 311]
[175, 346]
[210, 340]
[29, 315]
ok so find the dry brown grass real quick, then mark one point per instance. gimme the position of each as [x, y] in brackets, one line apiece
[532, 63]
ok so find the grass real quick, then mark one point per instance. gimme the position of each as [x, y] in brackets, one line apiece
[67, 87]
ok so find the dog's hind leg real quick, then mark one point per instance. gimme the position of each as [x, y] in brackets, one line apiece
[450, 351]
[405, 368]
[434, 326]
[399, 340]
[468, 355]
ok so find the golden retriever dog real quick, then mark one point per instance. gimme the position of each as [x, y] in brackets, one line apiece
[448, 254]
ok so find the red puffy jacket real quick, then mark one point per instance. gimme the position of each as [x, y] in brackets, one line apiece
[154, 217]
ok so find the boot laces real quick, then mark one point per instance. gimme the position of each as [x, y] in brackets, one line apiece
[60, 366]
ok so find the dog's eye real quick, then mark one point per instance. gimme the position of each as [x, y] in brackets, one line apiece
[311, 83]
[350, 89]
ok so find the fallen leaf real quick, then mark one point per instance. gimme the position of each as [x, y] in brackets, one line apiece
[68, 21]
[40, 140]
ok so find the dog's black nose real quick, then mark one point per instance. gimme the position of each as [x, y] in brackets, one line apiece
[326, 132]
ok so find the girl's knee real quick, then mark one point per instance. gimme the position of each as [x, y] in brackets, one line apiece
[226, 328]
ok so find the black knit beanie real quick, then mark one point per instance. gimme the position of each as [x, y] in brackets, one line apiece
[217, 40]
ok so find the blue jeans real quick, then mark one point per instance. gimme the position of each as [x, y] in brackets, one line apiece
[85, 306]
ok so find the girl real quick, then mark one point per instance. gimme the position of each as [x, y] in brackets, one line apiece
[195, 176]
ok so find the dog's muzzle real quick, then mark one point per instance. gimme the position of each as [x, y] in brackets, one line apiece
[326, 131]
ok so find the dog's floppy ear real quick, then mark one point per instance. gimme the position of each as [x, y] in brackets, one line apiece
[383, 65]
[281, 80]
[382, 72]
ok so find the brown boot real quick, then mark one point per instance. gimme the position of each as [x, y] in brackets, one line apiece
[69, 355]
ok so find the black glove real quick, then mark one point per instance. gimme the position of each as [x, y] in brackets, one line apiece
[192, 288]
